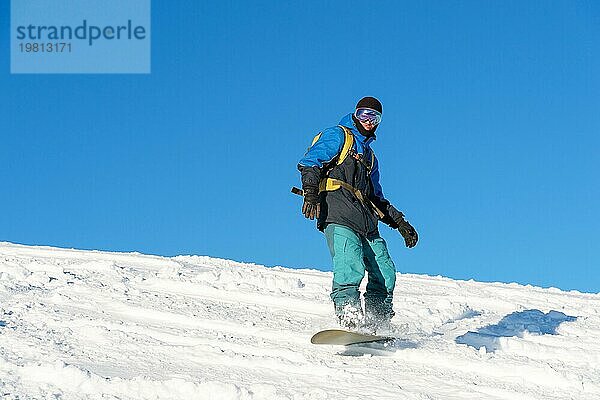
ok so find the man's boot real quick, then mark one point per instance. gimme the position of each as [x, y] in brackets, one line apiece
[377, 316]
[350, 316]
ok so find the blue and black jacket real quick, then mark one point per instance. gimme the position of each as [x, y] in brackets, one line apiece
[361, 171]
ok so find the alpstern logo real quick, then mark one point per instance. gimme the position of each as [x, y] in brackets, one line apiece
[80, 36]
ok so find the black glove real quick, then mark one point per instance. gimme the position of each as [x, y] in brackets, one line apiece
[408, 232]
[311, 207]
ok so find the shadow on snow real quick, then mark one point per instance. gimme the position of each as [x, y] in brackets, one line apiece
[378, 348]
[515, 324]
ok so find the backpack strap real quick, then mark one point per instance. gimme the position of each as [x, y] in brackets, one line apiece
[348, 144]
[316, 139]
[331, 184]
[346, 147]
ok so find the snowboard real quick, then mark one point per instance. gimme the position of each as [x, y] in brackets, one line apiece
[345, 338]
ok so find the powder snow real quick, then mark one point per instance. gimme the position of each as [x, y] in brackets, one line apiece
[98, 325]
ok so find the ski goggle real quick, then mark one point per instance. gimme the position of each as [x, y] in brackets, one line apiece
[368, 115]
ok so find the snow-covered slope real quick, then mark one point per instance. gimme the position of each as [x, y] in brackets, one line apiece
[85, 324]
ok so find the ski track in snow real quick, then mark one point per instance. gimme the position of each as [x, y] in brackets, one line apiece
[99, 325]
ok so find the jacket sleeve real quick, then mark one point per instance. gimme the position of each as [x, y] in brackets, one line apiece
[322, 152]
[391, 214]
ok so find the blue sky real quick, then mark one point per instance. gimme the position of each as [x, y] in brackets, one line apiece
[489, 141]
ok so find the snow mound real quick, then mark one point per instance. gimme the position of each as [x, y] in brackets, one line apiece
[89, 324]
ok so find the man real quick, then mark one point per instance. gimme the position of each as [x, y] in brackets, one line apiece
[340, 182]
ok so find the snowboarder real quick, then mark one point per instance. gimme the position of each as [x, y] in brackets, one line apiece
[340, 185]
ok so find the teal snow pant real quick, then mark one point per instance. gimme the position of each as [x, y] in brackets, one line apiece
[352, 255]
